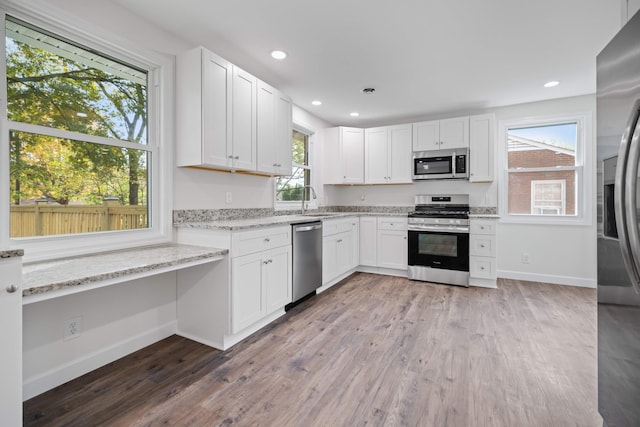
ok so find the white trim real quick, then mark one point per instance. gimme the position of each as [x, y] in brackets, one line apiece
[545, 182]
[548, 278]
[160, 136]
[583, 168]
[59, 375]
[293, 204]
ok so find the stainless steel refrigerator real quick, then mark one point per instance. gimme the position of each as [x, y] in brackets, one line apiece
[618, 202]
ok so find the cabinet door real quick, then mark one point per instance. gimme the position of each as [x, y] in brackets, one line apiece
[399, 157]
[277, 278]
[454, 133]
[329, 258]
[244, 120]
[368, 241]
[246, 291]
[344, 252]
[266, 128]
[426, 136]
[216, 111]
[376, 170]
[352, 155]
[11, 354]
[392, 249]
[481, 142]
[284, 136]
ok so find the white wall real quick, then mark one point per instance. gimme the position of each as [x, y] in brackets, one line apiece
[115, 320]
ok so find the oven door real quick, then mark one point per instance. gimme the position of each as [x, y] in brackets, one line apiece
[447, 249]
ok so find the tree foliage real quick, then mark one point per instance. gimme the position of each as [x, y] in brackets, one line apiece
[51, 90]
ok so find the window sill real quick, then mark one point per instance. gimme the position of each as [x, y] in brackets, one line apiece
[543, 220]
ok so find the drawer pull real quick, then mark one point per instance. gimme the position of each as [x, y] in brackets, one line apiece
[339, 241]
[481, 268]
[267, 240]
[482, 246]
[12, 288]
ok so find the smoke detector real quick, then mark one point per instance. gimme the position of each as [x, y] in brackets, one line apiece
[368, 90]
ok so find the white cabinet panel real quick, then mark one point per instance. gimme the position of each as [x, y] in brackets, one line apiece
[11, 353]
[400, 154]
[284, 129]
[246, 291]
[277, 278]
[441, 134]
[482, 245]
[481, 148]
[244, 113]
[368, 241]
[376, 156]
[392, 249]
[482, 250]
[482, 267]
[274, 131]
[480, 226]
[352, 156]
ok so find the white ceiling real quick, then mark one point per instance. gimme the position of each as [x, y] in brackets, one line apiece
[424, 57]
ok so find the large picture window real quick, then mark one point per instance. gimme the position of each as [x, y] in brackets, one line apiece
[544, 163]
[78, 137]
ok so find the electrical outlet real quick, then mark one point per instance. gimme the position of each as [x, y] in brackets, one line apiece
[228, 198]
[72, 328]
[525, 258]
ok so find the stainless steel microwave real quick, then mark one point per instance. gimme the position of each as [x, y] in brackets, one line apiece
[441, 164]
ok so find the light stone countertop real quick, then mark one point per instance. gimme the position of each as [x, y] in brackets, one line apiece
[10, 253]
[275, 220]
[487, 216]
[55, 275]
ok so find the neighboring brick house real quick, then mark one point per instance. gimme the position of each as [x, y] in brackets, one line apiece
[538, 192]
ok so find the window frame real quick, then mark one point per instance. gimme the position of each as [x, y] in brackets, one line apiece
[583, 169]
[296, 205]
[160, 127]
[563, 185]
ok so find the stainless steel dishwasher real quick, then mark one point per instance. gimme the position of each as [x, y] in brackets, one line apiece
[307, 258]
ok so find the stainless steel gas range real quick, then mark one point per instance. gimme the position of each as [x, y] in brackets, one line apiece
[439, 239]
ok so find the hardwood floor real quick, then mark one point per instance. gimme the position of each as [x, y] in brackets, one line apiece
[373, 350]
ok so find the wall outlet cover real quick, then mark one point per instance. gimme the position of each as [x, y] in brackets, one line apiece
[72, 328]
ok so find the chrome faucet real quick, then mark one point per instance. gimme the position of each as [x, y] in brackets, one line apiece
[313, 193]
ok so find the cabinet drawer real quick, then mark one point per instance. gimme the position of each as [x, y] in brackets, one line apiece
[248, 242]
[392, 223]
[483, 226]
[335, 226]
[482, 245]
[482, 267]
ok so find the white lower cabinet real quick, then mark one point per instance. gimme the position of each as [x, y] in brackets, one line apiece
[11, 354]
[482, 253]
[223, 304]
[261, 284]
[383, 242]
[340, 249]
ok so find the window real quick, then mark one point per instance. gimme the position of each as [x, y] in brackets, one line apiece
[544, 169]
[80, 138]
[77, 123]
[292, 188]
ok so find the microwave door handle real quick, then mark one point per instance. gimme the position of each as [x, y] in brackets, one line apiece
[453, 165]
[625, 196]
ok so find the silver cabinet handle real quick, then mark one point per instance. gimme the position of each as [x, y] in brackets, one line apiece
[482, 246]
[231, 157]
[481, 268]
[236, 157]
[267, 240]
[481, 227]
[339, 241]
[265, 262]
[12, 288]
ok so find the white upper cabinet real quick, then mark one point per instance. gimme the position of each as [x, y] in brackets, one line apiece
[274, 131]
[441, 134]
[388, 155]
[243, 119]
[224, 114]
[481, 152]
[344, 155]
[203, 109]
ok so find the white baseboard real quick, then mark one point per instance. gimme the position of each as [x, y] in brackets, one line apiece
[46, 381]
[382, 270]
[549, 278]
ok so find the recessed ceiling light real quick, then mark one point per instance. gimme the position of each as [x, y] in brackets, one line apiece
[552, 83]
[316, 102]
[354, 114]
[278, 54]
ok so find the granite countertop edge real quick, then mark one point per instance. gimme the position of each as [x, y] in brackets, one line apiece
[113, 272]
[276, 220]
[490, 216]
[11, 253]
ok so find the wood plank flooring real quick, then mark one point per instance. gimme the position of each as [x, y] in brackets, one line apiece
[373, 350]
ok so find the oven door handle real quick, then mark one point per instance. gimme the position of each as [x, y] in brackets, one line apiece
[440, 228]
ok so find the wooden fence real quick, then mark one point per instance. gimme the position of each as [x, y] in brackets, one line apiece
[47, 220]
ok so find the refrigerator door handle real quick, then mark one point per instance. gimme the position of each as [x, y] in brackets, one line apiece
[625, 197]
